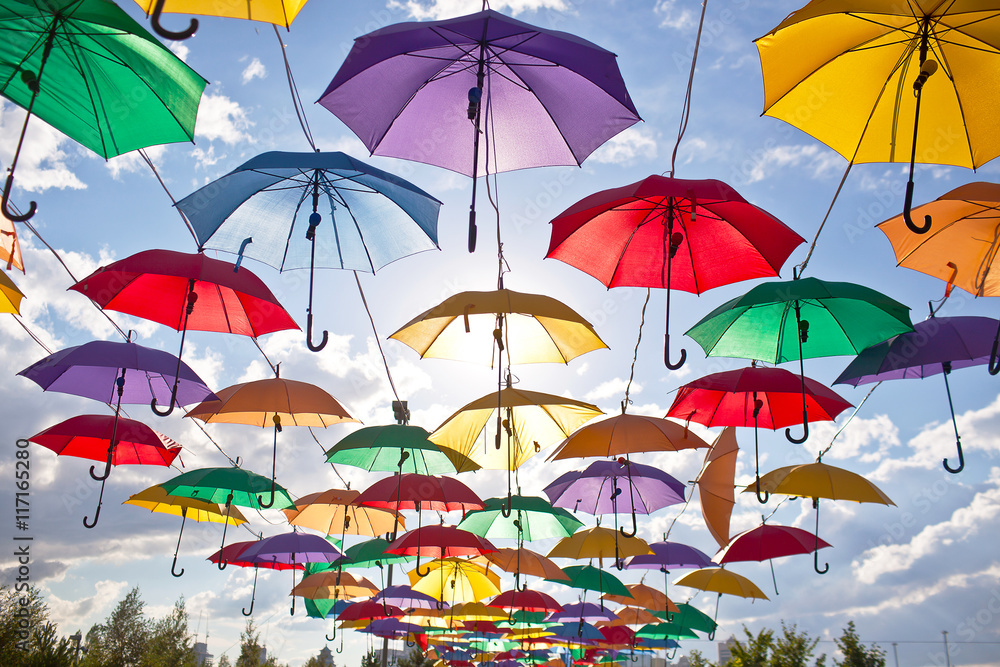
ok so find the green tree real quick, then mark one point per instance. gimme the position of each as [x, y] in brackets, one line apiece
[169, 640]
[415, 658]
[123, 636]
[789, 649]
[27, 637]
[224, 661]
[250, 648]
[371, 659]
[696, 659]
[855, 653]
[755, 651]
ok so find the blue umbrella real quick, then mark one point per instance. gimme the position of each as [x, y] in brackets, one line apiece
[254, 211]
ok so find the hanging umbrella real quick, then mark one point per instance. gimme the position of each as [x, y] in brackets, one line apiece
[278, 12]
[601, 489]
[405, 597]
[524, 561]
[758, 397]
[768, 541]
[398, 448]
[646, 597]
[689, 616]
[10, 295]
[723, 582]
[231, 486]
[936, 346]
[664, 631]
[785, 321]
[531, 420]
[10, 247]
[672, 234]
[332, 511]
[333, 584]
[587, 612]
[439, 542]
[819, 480]
[155, 499]
[537, 97]
[590, 578]
[875, 62]
[624, 434]
[253, 211]
[272, 401]
[452, 580]
[481, 326]
[598, 543]
[527, 518]
[409, 491]
[369, 610]
[98, 370]
[65, 60]
[293, 547]
[716, 485]
[371, 553]
[525, 601]
[186, 292]
[231, 554]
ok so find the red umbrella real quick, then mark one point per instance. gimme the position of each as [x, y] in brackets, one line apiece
[369, 610]
[526, 600]
[767, 397]
[187, 291]
[409, 491]
[670, 233]
[766, 542]
[439, 541]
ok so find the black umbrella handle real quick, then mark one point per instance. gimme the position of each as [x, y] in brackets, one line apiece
[97, 515]
[926, 69]
[826, 566]
[253, 593]
[173, 566]
[314, 221]
[994, 366]
[154, 20]
[5, 201]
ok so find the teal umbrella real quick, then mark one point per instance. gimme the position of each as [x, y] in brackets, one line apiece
[665, 631]
[691, 617]
[802, 318]
[590, 578]
[528, 518]
[398, 448]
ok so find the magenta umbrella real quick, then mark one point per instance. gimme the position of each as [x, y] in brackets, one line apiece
[427, 91]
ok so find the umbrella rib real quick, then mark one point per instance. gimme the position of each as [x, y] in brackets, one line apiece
[650, 215]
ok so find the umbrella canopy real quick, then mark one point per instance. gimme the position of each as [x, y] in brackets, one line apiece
[408, 491]
[716, 488]
[525, 600]
[689, 616]
[819, 480]
[598, 542]
[232, 553]
[606, 487]
[620, 435]
[723, 582]
[332, 512]
[370, 610]
[526, 562]
[397, 448]
[590, 578]
[768, 541]
[334, 584]
[641, 595]
[664, 631]
[936, 346]
[232, 486]
[526, 518]
[95, 437]
[292, 547]
[278, 12]
[669, 556]
[10, 295]
[587, 612]
[482, 326]
[406, 597]
[371, 553]
[452, 580]
[439, 541]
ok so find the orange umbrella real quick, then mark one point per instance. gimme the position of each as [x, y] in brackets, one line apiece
[331, 584]
[525, 561]
[627, 434]
[631, 616]
[645, 597]
[331, 512]
[716, 485]
[10, 248]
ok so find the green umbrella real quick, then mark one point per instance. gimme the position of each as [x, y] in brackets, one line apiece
[398, 448]
[590, 578]
[798, 319]
[232, 486]
[371, 553]
[691, 617]
[528, 518]
[89, 70]
[664, 631]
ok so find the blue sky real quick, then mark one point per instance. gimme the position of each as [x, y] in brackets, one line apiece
[903, 574]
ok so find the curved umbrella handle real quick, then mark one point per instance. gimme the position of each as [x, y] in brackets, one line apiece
[340, 649]
[173, 567]
[270, 502]
[154, 20]
[309, 333]
[826, 566]
[907, 204]
[506, 510]
[666, 355]
[635, 527]
[225, 526]
[5, 205]
[253, 593]
[97, 515]
[274, 455]
[961, 460]
[170, 406]
[107, 470]
[334, 637]
[767, 494]
[805, 431]
[994, 366]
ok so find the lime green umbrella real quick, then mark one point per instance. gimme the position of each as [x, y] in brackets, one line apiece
[802, 318]
[528, 518]
[590, 578]
[89, 70]
[398, 448]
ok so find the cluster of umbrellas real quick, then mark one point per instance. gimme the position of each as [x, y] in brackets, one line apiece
[500, 95]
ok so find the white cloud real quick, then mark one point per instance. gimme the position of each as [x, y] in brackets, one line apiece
[220, 117]
[609, 388]
[445, 9]
[69, 614]
[678, 18]
[255, 70]
[179, 49]
[132, 162]
[45, 161]
[817, 161]
[625, 148]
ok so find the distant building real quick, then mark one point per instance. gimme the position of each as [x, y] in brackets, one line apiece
[725, 650]
[681, 662]
[202, 657]
[658, 662]
[262, 658]
[326, 657]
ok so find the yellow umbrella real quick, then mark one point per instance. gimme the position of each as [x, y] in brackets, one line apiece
[599, 543]
[721, 581]
[278, 12]
[627, 434]
[455, 580]
[853, 75]
[475, 611]
[331, 512]
[10, 295]
[156, 499]
[530, 328]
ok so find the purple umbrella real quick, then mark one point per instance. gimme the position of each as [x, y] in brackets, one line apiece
[290, 549]
[117, 373]
[935, 346]
[668, 556]
[426, 91]
[581, 611]
[391, 628]
[407, 598]
[599, 489]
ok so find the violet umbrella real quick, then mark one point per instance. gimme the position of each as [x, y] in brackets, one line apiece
[98, 370]
[935, 346]
[427, 91]
[292, 548]
[668, 556]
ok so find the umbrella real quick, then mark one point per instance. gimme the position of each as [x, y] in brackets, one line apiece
[538, 97]
[481, 326]
[765, 397]
[397, 448]
[723, 582]
[10, 247]
[525, 601]
[590, 578]
[274, 401]
[768, 541]
[664, 631]
[186, 292]
[98, 370]
[830, 319]
[332, 511]
[936, 346]
[371, 553]
[439, 541]
[716, 485]
[10, 295]
[231, 486]
[600, 543]
[598, 490]
[624, 434]
[646, 597]
[524, 561]
[155, 499]
[689, 616]
[875, 62]
[65, 60]
[406, 597]
[819, 480]
[452, 580]
[666, 556]
[254, 211]
[408, 491]
[530, 419]
[334, 584]
[232, 554]
[582, 611]
[293, 547]
[527, 518]
[691, 235]
[278, 12]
